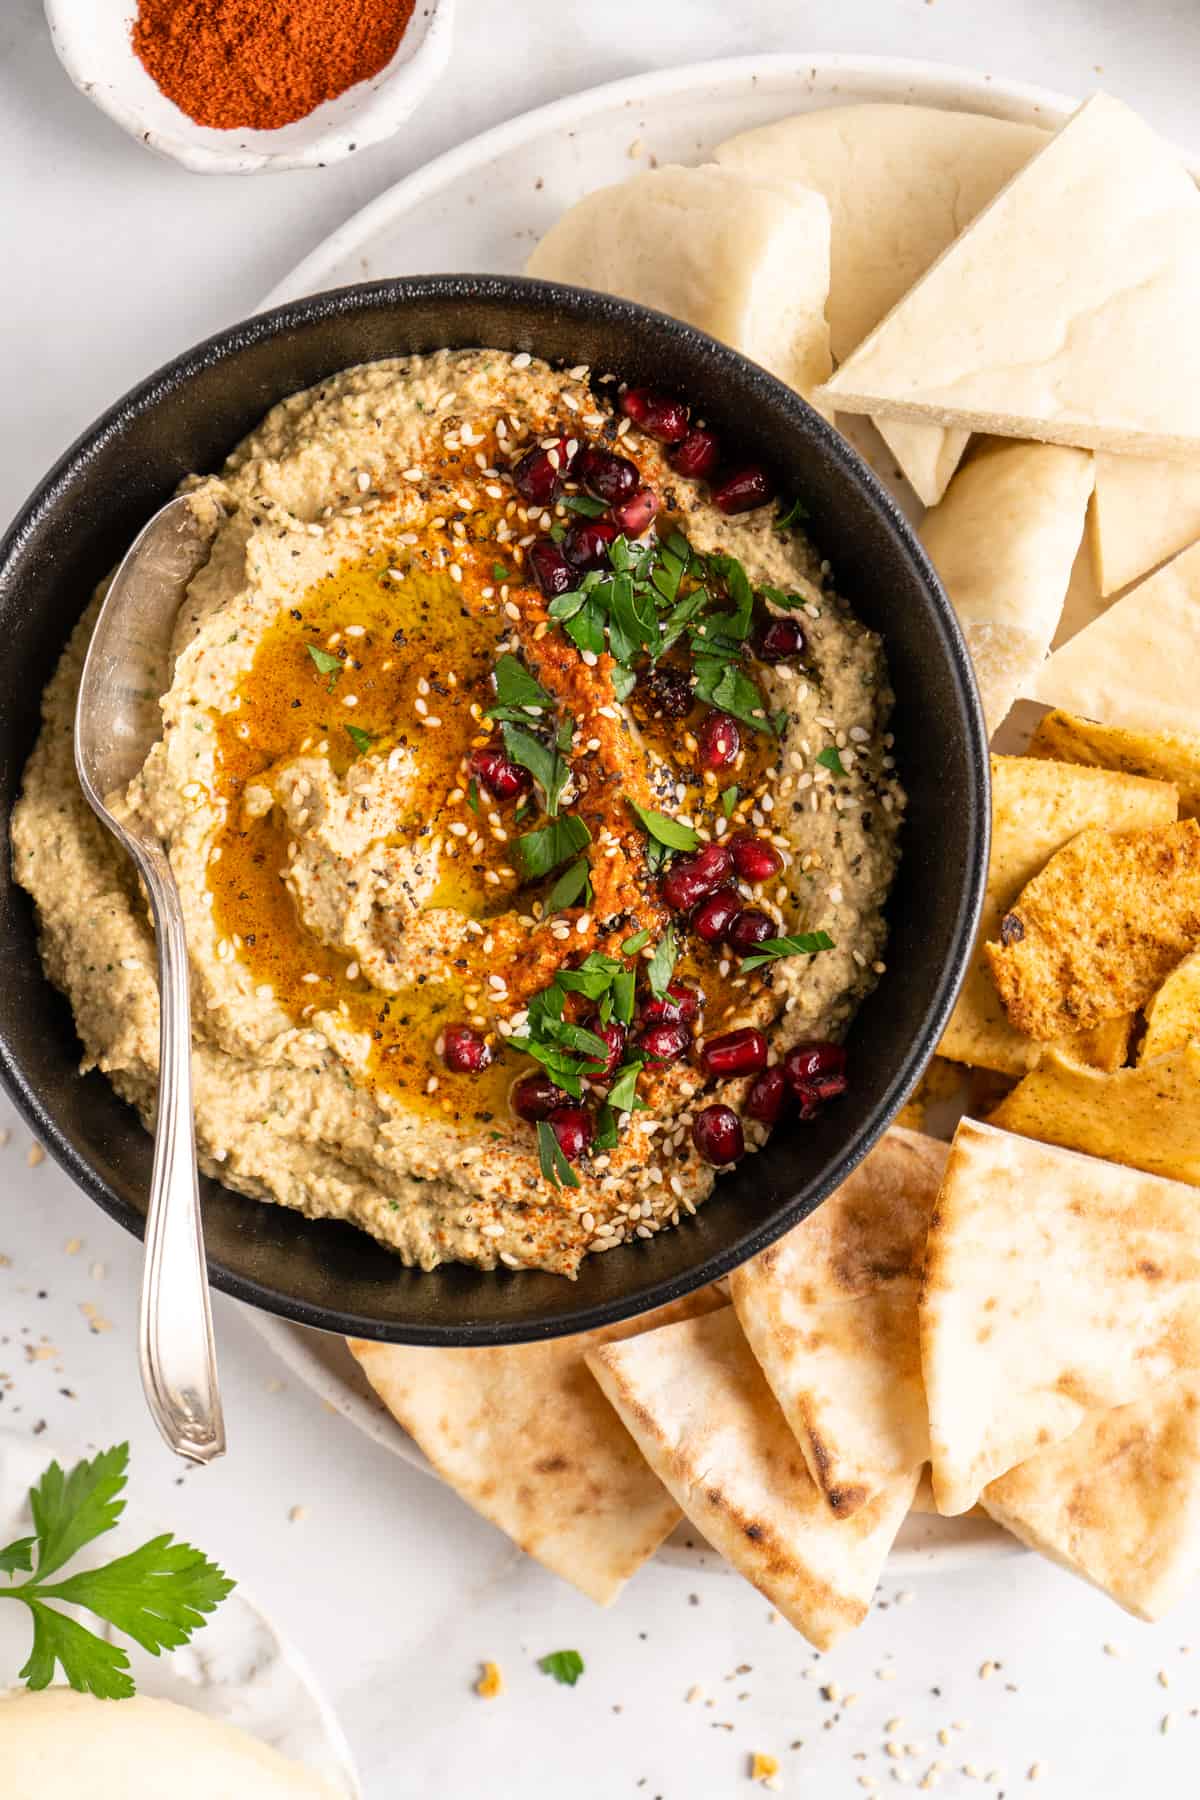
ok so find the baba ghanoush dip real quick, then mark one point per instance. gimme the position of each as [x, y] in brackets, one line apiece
[529, 792]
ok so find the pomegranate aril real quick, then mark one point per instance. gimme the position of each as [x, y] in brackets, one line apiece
[753, 858]
[698, 455]
[465, 1050]
[551, 570]
[813, 1060]
[779, 641]
[677, 1006]
[664, 1043]
[742, 1052]
[536, 1097]
[691, 877]
[750, 929]
[538, 475]
[658, 415]
[632, 517]
[715, 914]
[666, 692]
[743, 489]
[812, 1095]
[502, 777]
[574, 1128]
[604, 474]
[765, 1100]
[614, 1037]
[719, 740]
[717, 1135]
[587, 543]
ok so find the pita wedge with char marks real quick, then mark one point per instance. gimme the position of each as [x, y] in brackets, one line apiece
[1055, 1285]
[1004, 541]
[523, 1434]
[1118, 1502]
[901, 183]
[699, 1407]
[1095, 243]
[830, 1311]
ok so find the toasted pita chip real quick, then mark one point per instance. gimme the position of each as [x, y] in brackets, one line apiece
[1159, 755]
[1037, 807]
[1145, 512]
[525, 1437]
[744, 257]
[1147, 1117]
[830, 1311]
[704, 1418]
[1095, 934]
[901, 182]
[1135, 665]
[1095, 242]
[1004, 541]
[1054, 1285]
[1173, 1015]
[1118, 1502]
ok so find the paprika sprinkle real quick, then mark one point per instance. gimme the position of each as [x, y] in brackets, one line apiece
[263, 63]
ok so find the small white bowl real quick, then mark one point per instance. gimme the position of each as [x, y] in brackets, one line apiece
[93, 44]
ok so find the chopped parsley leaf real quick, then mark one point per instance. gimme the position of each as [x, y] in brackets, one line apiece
[572, 887]
[473, 794]
[326, 663]
[830, 759]
[729, 799]
[637, 942]
[787, 518]
[540, 852]
[661, 966]
[559, 1173]
[665, 830]
[362, 740]
[566, 1666]
[806, 943]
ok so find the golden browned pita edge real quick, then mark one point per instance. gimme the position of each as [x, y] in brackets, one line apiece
[1011, 331]
[1147, 1117]
[1118, 1502]
[1133, 667]
[1037, 807]
[830, 1312]
[1096, 932]
[523, 1434]
[1173, 1016]
[1055, 1285]
[1004, 541]
[1157, 755]
[699, 1407]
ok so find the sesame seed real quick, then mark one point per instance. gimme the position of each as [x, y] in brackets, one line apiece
[522, 360]
[413, 475]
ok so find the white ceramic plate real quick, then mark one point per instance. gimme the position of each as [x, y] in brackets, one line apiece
[239, 1668]
[482, 207]
[92, 43]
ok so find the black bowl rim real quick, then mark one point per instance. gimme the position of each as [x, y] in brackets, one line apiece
[475, 287]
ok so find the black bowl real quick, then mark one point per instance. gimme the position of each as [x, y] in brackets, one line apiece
[187, 417]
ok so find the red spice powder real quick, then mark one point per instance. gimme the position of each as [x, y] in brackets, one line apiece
[263, 63]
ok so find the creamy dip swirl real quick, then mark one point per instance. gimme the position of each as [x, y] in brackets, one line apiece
[353, 892]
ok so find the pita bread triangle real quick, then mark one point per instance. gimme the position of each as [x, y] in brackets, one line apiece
[700, 1410]
[1118, 1502]
[524, 1435]
[1065, 312]
[1055, 1285]
[830, 1312]
[1135, 666]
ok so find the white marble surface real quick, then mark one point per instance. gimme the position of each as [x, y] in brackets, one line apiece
[114, 261]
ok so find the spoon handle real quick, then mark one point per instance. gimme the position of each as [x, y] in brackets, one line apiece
[175, 1341]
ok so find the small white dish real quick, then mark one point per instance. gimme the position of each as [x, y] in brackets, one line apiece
[239, 1668]
[94, 46]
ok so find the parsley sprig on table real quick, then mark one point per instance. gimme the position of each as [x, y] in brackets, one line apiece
[156, 1595]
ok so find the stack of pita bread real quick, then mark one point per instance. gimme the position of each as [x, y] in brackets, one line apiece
[1024, 1319]
[1014, 313]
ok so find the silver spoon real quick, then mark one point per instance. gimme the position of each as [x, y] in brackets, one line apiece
[117, 720]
